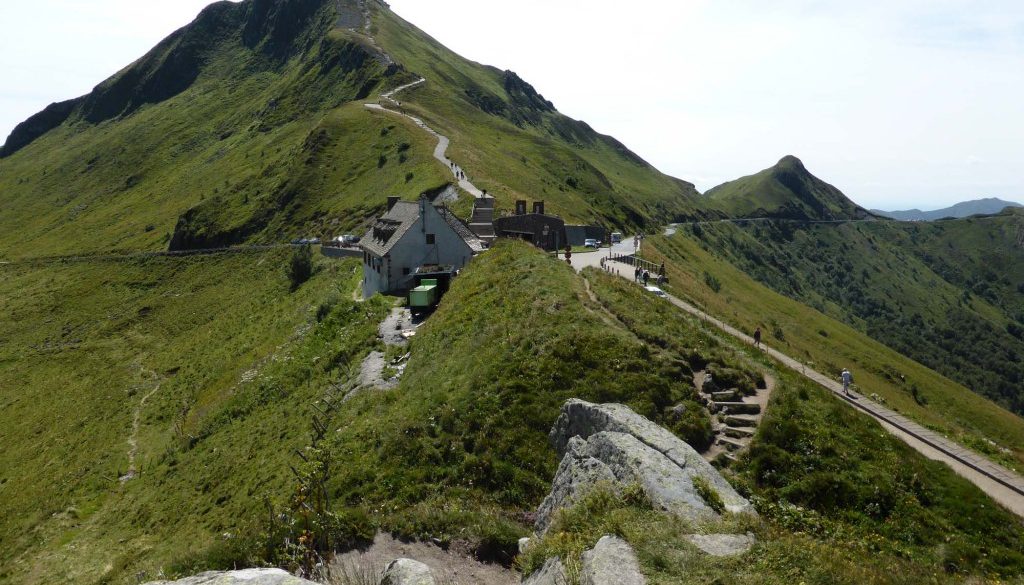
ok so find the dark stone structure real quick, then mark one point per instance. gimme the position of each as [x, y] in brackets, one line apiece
[547, 232]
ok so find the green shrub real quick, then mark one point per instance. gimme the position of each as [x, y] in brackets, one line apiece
[300, 266]
[709, 494]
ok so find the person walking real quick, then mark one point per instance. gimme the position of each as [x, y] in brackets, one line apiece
[847, 378]
[636, 274]
[757, 338]
[646, 277]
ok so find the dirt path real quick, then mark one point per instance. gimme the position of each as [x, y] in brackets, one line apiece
[1001, 484]
[133, 439]
[448, 566]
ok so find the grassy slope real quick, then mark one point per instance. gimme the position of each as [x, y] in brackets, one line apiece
[881, 278]
[272, 152]
[828, 345]
[238, 360]
[843, 501]
[539, 160]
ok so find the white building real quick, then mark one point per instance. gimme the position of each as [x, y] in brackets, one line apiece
[410, 235]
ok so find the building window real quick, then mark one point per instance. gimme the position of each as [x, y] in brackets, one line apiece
[430, 239]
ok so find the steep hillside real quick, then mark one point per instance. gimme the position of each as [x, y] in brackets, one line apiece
[247, 126]
[990, 206]
[949, 295]
[787, 190]
[227, 373]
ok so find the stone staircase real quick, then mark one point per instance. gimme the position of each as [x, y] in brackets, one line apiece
[482, 222]
[735, 416]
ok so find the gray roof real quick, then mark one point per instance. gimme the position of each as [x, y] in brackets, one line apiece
[387, 231]
[462, 229]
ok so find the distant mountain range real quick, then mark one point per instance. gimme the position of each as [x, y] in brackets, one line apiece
[988, 206]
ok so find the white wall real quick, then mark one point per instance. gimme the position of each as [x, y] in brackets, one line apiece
[412, 251]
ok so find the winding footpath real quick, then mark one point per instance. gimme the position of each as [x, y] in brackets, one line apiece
[1000, 483]
[441, 150]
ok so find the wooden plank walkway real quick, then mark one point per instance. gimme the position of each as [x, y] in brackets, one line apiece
[1002, 484]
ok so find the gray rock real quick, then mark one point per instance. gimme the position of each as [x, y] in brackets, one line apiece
[611, 562]
[244, 577]
[723, 545]
[669, 487]
[577, 475]
[583, 419]
[552, 573]
[407, 572]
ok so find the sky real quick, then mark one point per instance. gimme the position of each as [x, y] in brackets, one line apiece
[899, 103]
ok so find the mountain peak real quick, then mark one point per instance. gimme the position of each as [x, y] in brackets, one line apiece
[791, 162]
[787, 190]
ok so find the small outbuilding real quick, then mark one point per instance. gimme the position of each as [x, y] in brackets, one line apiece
[547, 232]
[410, 235]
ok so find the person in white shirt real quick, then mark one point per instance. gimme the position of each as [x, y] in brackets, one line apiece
[847, 380]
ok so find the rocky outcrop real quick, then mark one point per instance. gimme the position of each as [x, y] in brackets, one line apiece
[407, 572]
[244, 577]
[611, 443]
[611, 562]
[577, 475]
[723, 545]
[552, 573]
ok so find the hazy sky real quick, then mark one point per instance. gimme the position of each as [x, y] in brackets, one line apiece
[901, 103]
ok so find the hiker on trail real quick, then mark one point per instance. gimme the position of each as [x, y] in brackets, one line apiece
[757, 338]
[661, 271]
[646, 277]
[847, 380]
[636, 274]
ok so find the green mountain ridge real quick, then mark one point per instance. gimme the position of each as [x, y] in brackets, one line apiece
[247, 126]
[785, 191]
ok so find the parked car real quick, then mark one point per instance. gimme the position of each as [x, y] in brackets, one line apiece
[656, 291]
[616, 237]
[590, 243]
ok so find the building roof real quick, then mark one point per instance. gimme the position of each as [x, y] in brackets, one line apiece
[387, 231]
[460, 227]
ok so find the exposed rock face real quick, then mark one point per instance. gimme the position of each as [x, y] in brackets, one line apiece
[552, 573]
[723, 545]
[611, 562]
[577, 474]
[407, 572]
[244, 577]
[598, 440]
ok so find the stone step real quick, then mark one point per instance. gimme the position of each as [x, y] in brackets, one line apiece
[738, 407]
[731, 444]
[740, 421]
[738, 433]
[725, 396]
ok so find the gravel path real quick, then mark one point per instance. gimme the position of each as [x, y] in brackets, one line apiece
[441, 150]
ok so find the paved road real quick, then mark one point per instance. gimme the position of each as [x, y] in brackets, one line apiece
[1001, 484]
[441, 150]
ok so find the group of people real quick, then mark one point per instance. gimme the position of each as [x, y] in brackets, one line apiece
[458, 172]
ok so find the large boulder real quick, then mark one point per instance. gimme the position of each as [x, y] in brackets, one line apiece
[552, 573]
[611, 562]
[407, 572]
[577, 474]
[244, 577]
[595, 439]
